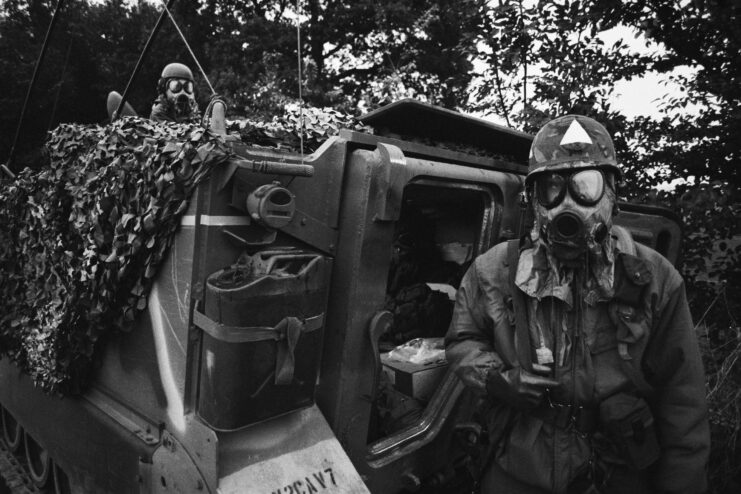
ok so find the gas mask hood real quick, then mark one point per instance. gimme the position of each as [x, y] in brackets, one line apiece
[571, 230]
[181, 102]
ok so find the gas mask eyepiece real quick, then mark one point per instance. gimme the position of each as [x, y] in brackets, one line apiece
[586, 187]
[177, 85]
[579, 224]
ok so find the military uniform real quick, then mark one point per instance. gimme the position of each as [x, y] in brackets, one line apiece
[588, 364]
[164, 111]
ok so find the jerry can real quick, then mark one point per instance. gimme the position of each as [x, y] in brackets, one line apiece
[262, 325]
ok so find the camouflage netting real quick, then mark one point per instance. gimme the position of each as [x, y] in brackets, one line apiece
[283, 131]
[80, 240]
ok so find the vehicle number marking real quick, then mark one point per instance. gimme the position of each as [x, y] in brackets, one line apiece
[321, 480]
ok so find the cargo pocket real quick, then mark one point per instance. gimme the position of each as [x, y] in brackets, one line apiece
[528, 457]
[603, 339]
[628, 422]
[605, 361]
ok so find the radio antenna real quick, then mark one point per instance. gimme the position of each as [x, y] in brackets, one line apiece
[6, 167]
[187, 45]
[142, 57]
[300, 78]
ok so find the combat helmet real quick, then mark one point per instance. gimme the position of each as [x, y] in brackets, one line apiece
[173, 71]
[176, 71]
[571, 141]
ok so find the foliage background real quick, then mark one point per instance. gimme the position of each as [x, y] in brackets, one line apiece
[524, 61]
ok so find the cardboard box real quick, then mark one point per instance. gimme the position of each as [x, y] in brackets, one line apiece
[415, 380]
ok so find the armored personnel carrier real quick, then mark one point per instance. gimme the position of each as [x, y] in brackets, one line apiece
[259, 364]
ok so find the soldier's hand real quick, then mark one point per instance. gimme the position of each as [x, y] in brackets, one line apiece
[518, 388]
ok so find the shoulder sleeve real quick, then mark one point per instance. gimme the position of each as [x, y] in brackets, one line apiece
[674, 367]
[158, 113]
[469, 343]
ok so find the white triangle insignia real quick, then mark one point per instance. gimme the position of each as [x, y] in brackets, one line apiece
[575, 134]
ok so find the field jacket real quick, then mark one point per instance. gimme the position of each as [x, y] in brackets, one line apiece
[650, 330]
[164, 111]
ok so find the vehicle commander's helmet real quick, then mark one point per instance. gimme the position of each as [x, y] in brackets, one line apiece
[173, 71]
[570, 142]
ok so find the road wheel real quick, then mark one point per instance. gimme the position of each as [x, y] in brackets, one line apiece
[39, 462]
[12, 432]
[61, 481]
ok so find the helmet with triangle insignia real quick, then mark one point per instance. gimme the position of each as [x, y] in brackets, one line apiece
[571, 141]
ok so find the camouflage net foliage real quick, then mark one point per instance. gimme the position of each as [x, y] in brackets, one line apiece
[284, 131]
[81, 240]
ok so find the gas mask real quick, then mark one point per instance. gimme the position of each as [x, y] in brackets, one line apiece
[573, 211]
[179, 94]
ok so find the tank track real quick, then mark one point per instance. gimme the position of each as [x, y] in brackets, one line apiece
[14, 474]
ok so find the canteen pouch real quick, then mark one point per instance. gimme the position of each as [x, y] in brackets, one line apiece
[628, 422]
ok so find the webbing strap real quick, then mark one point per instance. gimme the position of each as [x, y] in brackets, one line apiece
[636, 376]
[286, 334]
[630, 367]
[628, 290]
[522, 335]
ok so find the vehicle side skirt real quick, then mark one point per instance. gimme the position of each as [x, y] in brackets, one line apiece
[96, 451]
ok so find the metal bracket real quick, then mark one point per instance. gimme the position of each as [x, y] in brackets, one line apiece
[140, 427]
[173, 470]
[393, 174]
[379, 324]
[251, 236]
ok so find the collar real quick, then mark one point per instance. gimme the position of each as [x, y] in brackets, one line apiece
[171, 112]
[540, 274]
[634, 272]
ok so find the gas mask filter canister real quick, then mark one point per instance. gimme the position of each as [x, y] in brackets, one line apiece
[573, 211]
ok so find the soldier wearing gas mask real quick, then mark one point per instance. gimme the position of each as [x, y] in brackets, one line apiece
[579, 341]
[176, 96]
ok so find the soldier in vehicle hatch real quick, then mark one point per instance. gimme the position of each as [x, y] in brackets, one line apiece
[176, 96]
[580, 340]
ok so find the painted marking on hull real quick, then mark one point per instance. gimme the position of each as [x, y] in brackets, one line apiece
[183, 299]
[317, 481]
[209, 220]
[320, 468]
[175, 409]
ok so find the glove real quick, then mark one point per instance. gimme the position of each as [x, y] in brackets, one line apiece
[518, 388]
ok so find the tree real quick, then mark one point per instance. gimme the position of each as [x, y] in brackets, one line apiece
[355, 55]
[91, 51]
[572, 70]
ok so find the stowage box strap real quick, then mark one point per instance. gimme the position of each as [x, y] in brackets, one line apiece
[286, 333]
[251, 334]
